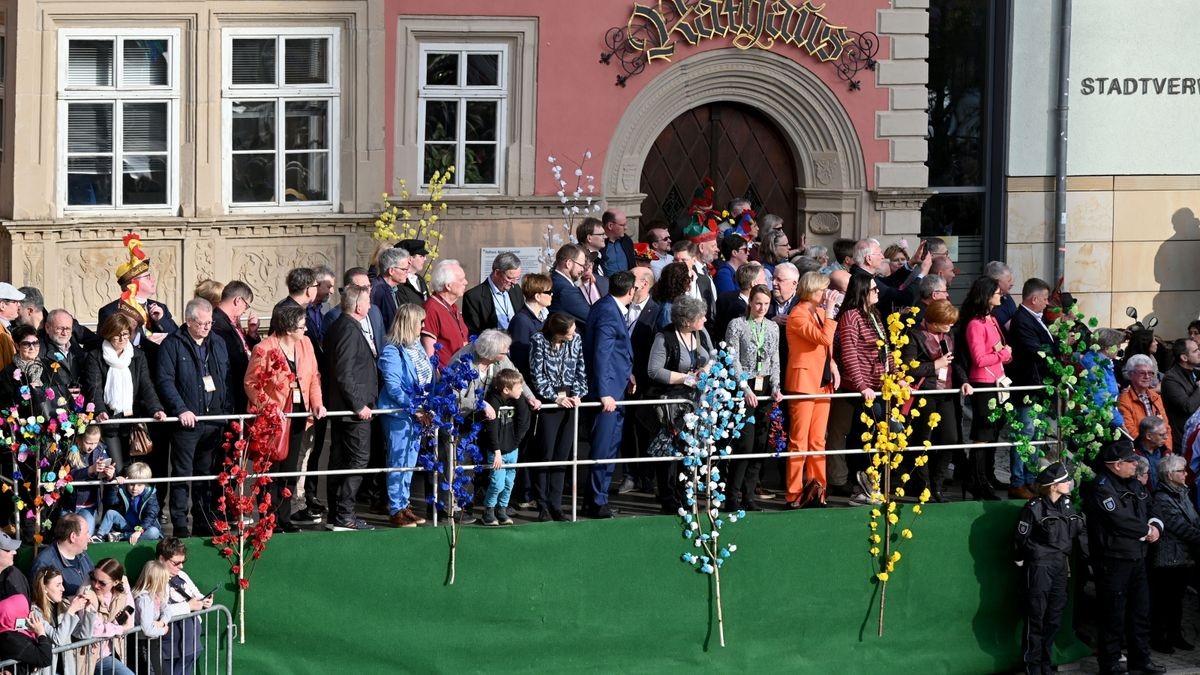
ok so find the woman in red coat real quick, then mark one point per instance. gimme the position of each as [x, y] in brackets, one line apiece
[283, 369]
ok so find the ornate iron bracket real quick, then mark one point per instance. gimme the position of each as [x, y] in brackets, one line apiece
[858, 56]
[633, 61]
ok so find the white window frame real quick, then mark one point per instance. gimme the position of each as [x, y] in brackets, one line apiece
[281, 93]
[117, 95]
[462, 94]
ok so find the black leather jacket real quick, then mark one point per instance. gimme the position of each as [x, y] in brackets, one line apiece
[1046, 531]
[1182, 533]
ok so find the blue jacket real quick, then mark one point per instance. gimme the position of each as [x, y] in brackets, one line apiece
[180, 380]
[398, 377]
[607, 351]
[724, 279]
[568, 298]
[147, 513]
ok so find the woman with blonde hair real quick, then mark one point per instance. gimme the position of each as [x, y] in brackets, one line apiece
[210, 290]
[810, 370]
[299, 392]
[114, 617]
[152, 602]
[66, 622]
[405, 369]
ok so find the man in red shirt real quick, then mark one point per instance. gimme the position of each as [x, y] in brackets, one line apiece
[445, 332]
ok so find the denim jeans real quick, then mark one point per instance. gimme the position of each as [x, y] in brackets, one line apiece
[403, 444]
[500, 489]
[109, 665]
[115, 520]
[1021, 474]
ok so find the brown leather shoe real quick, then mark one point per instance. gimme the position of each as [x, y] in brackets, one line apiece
[401, 519]
[1020, 492]
[416, 520]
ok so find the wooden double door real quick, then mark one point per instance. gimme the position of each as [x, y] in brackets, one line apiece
[738, 147]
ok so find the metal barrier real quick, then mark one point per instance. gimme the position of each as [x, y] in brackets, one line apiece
[575, 462]
[145, 655]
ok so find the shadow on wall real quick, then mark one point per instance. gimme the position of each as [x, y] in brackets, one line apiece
[1175, 270]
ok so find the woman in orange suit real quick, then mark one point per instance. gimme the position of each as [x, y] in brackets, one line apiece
[810, 370]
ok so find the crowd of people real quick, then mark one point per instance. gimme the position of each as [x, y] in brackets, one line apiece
[611, 321]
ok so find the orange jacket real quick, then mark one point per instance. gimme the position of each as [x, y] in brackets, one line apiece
[810, 343]
[1134, 412]
[306, 370]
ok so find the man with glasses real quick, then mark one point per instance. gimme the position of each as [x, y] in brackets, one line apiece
[418, 254]
[569, 264]
[194, 380]
[1121, 525]
[659, 239]
[1151, 443]
[60, 346]
[494, 303]
[394, 267]
[236, 299]
[617, 252]
[156, 317]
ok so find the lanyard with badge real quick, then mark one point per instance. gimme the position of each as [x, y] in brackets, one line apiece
[760, 352]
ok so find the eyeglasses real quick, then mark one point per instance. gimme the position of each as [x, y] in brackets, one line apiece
[200, 324]
[121, 336]
[62, 329]
[30, 343]
[176, 563]
[1143, 373]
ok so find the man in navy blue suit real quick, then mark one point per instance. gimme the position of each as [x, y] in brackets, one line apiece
[569, 264]
[609, 357]
[1028, 335]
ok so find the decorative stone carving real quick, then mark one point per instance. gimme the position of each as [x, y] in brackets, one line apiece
[205, 259]
[264, 266]
[900, 200]
[34, 267]
[824, 223]
[92, 283]
[825, 169]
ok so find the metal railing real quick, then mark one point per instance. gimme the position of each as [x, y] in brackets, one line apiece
[214, 627]
[575, 462]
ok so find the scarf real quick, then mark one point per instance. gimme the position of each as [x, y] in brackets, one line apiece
[32, 369]
[118, 385]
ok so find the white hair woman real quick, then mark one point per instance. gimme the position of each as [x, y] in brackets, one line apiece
[1141, 399]
[1172, 559]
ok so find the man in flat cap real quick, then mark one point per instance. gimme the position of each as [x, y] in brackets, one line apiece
[418, 253]
[10, 307]
[1121, 525]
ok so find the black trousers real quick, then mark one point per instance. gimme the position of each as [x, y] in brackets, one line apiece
[946, 433]
[745, 472]
[1168, 586]
[314, 459]
[195, 452]
[553, 444]
[296, 437]
[351, 449]
[1121, 587]
[1045, 600]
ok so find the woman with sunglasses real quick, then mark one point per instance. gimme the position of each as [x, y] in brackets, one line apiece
[861, 331]
[27, 380]
[114, 617]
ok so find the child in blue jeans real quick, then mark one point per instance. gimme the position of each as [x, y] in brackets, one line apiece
[502, 437]
[132, 508]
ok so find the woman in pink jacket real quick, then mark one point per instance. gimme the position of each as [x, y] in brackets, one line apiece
[989, 352]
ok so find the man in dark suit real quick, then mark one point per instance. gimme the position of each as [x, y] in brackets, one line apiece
[642, 319]
[617, 253]
[1003, 276]
[569, 264]
[494, 303]
[357, 276]
[897, 290]
[702, 285]
[60, 345]
[353, 384]
[608, 354]
[236, 298]
[416, 278]
[1028, 335]
[1180, 392]
[394, 270]
[194, 380]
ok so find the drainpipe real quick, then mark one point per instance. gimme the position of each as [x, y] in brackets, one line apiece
[1060, 150]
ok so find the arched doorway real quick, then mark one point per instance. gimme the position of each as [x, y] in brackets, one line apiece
[739, 148]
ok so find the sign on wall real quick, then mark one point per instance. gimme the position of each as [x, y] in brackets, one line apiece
[530, 256]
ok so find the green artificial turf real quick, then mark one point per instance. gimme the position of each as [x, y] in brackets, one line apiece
[613, 596]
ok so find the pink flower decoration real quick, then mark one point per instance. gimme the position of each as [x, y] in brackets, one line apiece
[17, 374]
[49, 394]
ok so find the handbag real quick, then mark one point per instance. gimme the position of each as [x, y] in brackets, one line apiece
[812, 496]
[139, 441]
[1003, 382]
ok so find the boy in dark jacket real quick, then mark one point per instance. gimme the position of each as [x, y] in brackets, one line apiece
[1046, 533]
[502, 437]
[132, 508]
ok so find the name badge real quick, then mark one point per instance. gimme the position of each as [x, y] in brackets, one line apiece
[758, 383]
[296, 393]
[209, 385]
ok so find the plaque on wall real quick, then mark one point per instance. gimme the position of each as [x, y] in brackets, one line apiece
[530, 259]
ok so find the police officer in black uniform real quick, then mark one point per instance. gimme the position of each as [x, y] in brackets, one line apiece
[1121, 524]
[1046, 533]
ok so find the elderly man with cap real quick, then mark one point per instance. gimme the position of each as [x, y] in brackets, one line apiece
[418, 253]
[12, 580]
[1047, 531]
[154, 318]
[1121, 525]
[10, 307]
